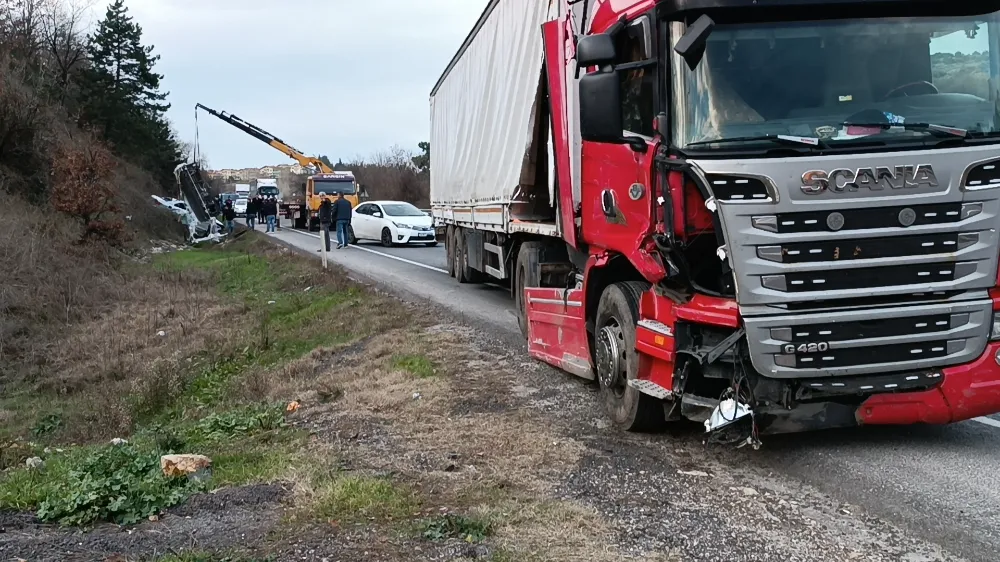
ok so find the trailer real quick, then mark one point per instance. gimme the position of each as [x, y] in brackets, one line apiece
[708, 237]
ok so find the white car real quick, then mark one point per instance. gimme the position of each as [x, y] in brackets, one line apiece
[393, 222]
[240, 206]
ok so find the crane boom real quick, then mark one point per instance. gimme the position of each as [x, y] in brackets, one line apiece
[268, 138]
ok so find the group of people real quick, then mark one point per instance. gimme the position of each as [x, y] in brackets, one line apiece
[262, 209]
[336, 214]
[259, 209]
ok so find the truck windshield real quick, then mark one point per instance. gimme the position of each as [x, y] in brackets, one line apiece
[842, 81]
[334, 187]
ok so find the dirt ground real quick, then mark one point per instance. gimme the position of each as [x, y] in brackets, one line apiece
[430, 440]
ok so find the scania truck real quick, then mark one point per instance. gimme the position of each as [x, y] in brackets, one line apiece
[766, 216]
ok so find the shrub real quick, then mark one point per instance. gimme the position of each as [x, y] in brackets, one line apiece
[121, 484]
[83, 189]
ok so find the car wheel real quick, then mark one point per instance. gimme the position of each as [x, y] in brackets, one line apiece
[351, 238]
[386, 237]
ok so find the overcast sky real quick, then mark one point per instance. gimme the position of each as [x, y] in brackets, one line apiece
[335, 77]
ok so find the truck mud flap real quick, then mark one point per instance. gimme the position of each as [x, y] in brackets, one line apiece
[557, 329]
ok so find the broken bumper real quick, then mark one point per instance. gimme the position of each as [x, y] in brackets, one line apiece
[967, 391]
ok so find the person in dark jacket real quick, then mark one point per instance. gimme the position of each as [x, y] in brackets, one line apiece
[342, 216]
[252, 205]
[270, 213]
[229, 213]
[325, 219]
[260, 208]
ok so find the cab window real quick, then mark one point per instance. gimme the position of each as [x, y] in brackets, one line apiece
[632, 46]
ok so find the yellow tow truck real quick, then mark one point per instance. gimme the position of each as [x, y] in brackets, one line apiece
[303, 207]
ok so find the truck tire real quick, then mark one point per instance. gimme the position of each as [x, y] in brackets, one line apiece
[464, 272]
[449, 245]
[526, 274]
[616, 360]
[459, 260]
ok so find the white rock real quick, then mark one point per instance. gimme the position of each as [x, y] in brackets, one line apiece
[119, 441]
[34, 463]
[161, 333]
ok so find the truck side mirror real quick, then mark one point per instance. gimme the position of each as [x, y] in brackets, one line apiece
[595, 50]
[600, 107]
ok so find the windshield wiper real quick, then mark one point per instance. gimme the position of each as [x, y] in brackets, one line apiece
[925, 127]
[780, 139]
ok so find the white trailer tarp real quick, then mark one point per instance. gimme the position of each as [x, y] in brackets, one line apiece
[481, 109]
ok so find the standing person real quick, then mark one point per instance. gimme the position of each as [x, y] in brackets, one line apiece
[229, 213]
[342, 214]
[261, 201]
[252, 212]
[270, 213]
[325, 219]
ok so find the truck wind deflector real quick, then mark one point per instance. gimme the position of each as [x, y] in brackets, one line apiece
[691, 46]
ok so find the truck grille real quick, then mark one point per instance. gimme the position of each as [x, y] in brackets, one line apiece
[869, 340]
[801, 259]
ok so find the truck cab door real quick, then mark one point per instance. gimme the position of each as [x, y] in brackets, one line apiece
[618, 180]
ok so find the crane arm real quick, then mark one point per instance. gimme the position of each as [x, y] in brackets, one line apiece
[268, 138]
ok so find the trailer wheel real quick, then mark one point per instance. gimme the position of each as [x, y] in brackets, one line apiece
[460, 260]
[526, 274]
[616, 360]
[449, 245]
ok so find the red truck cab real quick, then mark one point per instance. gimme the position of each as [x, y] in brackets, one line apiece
[781, 213]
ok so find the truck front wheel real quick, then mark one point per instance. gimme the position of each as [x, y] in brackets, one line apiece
[616, 360]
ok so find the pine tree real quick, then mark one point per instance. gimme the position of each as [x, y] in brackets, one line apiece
[124, 98]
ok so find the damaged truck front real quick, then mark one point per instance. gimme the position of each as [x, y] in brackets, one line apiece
[779, 212]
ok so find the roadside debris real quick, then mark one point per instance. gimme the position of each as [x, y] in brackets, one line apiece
[119, 441]
[293, 406]
[196, 467]
[34, 463]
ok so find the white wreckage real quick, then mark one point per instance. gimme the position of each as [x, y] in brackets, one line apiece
[198, 209]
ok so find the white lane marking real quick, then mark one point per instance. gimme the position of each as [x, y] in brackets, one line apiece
[987, 421]
[376, 252]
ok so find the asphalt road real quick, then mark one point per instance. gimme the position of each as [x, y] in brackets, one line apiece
[938, 483]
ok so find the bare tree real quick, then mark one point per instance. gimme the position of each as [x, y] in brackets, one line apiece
[65, 43]
[20, 21]
[391, 174]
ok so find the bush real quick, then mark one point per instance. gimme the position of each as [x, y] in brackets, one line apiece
[121, 484]
[83, 189]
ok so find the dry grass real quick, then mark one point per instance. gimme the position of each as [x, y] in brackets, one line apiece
[407, 420]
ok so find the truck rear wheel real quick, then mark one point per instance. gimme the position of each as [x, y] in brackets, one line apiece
[460, 260]
[616, 360]
[449, 244]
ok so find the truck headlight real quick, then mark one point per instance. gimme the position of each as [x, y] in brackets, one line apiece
[995, 330]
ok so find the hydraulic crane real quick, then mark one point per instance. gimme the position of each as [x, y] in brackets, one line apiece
[303, 211]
